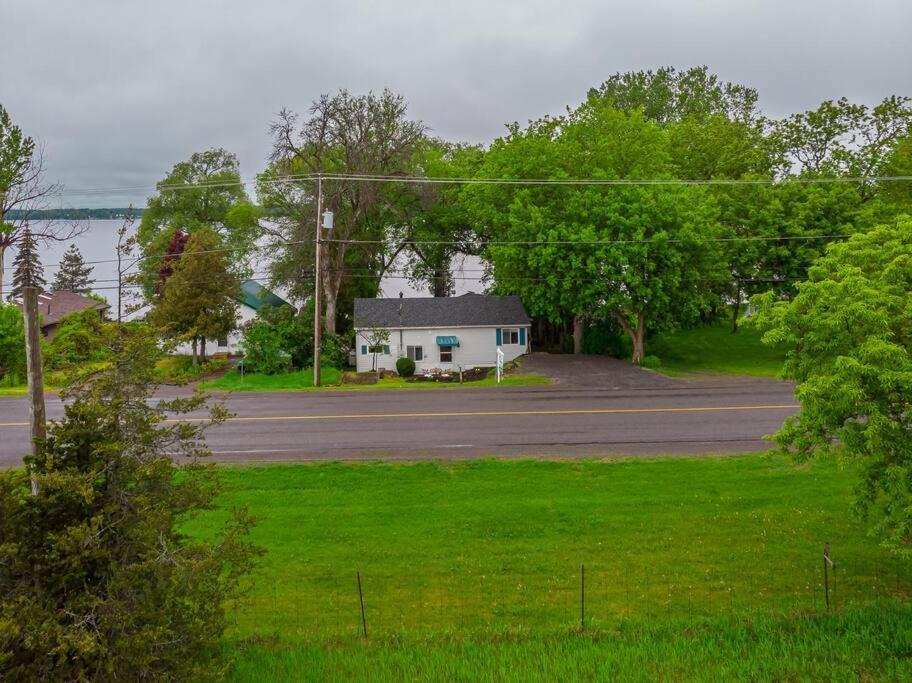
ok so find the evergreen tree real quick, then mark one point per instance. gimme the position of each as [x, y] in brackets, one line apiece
[199, 300]
[74, 274]
[99, 579]
[27, 268]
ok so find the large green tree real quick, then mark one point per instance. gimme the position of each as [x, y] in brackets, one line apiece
[204, 192]
[25, 193]
[199, 300]
[342, 134]
[430, 221]
[850, 330]
[642, 256]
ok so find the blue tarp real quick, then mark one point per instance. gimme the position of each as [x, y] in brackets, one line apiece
[447, 341]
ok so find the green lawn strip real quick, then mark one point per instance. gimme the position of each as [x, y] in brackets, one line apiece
[302, 380]
[714, 349]
[868, 643]
[463, 547]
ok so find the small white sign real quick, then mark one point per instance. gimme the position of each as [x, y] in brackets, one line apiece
[500, 363]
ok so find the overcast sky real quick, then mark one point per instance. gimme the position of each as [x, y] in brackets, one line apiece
[120, 90]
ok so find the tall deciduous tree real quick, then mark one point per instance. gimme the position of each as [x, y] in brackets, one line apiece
[27, 268]
[199, 300]
[204, 192]
[850, 328]
[74, 274]
[24, 192]
[343, 134]
[641, 255]
[431, 222]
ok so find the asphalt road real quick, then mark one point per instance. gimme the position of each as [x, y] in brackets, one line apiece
[594, 409]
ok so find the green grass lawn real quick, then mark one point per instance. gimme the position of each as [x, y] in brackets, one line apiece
[471, 567]
[871, 643]
[714, 349]
[488, 551]
[303, 381]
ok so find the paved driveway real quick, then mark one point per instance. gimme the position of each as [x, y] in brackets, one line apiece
[598, 372]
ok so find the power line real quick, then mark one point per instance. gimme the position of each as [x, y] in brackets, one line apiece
[546, 243]
[438, 180]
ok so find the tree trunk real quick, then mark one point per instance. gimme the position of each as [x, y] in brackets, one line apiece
[202, 349]
[577, 335]
[2, 257]
[637, 335]
[330, 317]
[736, 309]
[639, 341]
[441, 286]
[193, 346]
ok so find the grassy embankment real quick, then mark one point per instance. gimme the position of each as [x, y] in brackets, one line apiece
[694, 567]
[714, 349]
[303, 381]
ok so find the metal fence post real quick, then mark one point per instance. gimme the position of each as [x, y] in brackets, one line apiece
[827, 563]
[582, 597]
[361, 600]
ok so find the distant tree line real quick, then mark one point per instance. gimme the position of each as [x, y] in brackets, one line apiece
[74, 214]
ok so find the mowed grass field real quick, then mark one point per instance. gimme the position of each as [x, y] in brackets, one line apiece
[714, 349]
[470, 567]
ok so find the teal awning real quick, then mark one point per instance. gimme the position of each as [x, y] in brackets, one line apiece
[447, 341]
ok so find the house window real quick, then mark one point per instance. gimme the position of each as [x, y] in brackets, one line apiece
[446, 354]
[378, 348]
[223, 341]
[511, 335]
[415, 353]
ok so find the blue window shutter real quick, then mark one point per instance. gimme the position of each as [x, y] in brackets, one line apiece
[522, 336]
[363, 349]
[499, 337]
[386, 350]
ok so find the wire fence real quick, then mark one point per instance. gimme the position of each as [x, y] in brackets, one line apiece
[600, 594]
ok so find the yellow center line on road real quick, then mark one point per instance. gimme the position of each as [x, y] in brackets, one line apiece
[486, 413]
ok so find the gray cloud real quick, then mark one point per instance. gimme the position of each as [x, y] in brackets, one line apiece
[120, 90]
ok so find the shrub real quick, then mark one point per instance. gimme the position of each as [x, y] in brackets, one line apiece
[334, 351]
[80, 338]
[264, 348]
[651, 362]
[12, 344]
[405, 367]
[98, 579]
[295, 330]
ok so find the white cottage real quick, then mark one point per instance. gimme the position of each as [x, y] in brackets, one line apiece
[252, 298]
[446, 333]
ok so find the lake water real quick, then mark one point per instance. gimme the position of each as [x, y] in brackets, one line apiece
[99, 240]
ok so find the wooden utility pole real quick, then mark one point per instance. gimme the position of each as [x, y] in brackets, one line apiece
[37, 417]
[318, 276]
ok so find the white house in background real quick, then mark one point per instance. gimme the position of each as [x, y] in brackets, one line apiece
[254, 297]
[446, 333]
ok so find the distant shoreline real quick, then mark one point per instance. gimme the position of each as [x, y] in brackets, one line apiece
[74, 214]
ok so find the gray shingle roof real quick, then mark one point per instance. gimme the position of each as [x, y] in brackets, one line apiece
[458, 311]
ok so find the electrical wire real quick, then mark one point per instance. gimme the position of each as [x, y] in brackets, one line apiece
[432, 180]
